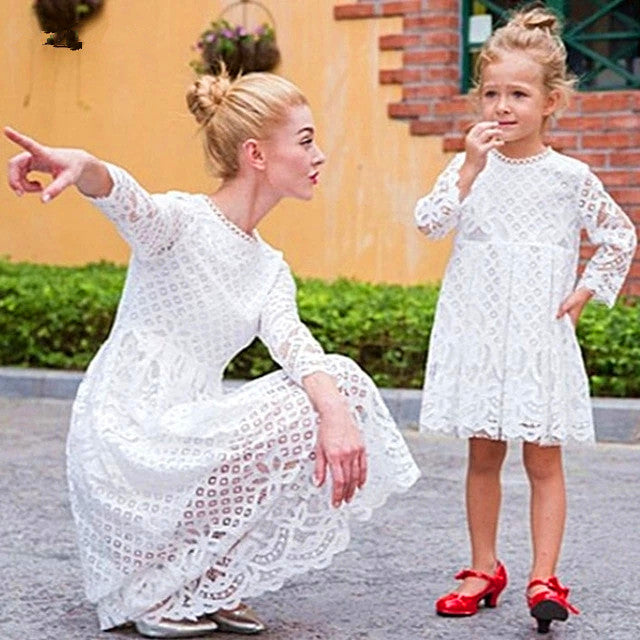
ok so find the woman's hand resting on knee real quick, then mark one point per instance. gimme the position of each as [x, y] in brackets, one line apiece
[339, 445]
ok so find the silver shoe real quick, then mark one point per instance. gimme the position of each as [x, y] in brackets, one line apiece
[176, 628]
[242, 619]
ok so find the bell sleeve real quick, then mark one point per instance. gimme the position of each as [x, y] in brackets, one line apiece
[438, 212]
[610, 229]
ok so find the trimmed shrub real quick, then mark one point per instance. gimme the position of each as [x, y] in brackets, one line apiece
[58, 317]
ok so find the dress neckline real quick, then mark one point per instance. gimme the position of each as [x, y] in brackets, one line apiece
[527, 160]
[247, 237]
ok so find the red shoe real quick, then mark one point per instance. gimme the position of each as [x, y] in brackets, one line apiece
[550, 603]
[456, 604]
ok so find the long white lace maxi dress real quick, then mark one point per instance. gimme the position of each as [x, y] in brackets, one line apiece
[187, 499]
[500, 365]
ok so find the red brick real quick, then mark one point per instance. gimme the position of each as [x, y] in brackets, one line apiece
[619, 178]
[626, 196]
[399, 76]
[605, 101]
[408, 109]
[441, 38]
[581, 123]
[453, 143]
[459, 104]
[351, 11]
[444, 5]
[430, 56]
[395, 42]
[631, 288]
[400, 8]
[634, 271]
[433, 72]
[430, 127]
[610, 140]
[623, 122]
[422, 22]
[436, 90]
[464, 124]
[594, 160]
[563, 141]
[625, 158]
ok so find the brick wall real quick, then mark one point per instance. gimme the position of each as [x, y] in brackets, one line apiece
[602, 129]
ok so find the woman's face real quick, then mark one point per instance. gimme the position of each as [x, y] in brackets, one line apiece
[292, 156]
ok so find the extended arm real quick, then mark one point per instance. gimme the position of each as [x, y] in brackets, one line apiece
[67, 167]
[339, 444]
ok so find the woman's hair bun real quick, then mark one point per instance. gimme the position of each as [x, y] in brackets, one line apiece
[205, 94]
[537, 18]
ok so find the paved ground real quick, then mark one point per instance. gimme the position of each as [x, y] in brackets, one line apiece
[382, 588]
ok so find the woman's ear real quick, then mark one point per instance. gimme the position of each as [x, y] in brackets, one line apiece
[254, 154]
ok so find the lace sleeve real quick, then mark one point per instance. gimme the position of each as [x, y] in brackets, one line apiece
[289, 341]
[438, 212]
[149, 223]
[608, 227]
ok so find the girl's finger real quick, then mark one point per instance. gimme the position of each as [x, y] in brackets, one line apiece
[24, 141]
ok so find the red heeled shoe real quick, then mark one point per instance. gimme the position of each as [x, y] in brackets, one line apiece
[550, 603]
[455, 604]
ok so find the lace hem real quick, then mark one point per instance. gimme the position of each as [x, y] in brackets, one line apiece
[582, 434]
[254, 522]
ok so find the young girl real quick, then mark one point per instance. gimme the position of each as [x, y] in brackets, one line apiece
[188, 500]
[504, 363]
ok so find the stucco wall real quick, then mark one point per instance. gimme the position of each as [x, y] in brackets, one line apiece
[122, 97]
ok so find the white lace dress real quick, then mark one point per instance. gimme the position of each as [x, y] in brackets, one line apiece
[187, 499]
[500, 365]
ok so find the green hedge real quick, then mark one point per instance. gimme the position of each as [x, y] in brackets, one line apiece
[58, 316]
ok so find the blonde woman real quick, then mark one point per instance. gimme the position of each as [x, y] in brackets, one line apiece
[188, 500]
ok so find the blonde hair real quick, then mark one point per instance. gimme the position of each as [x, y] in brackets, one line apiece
[536, 32]
[231, 111]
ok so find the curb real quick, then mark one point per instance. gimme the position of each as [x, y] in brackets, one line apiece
[616, 419]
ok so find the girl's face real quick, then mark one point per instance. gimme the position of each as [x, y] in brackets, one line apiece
[292, 157]
[512, 94]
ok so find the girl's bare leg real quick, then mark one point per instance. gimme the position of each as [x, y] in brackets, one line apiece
[548, 506]
[483, 495]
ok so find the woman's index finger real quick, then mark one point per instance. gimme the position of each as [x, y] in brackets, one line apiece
[27, 143]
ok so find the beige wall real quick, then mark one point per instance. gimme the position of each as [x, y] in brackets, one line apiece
[122, 97]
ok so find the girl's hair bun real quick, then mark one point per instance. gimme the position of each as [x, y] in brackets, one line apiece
[205, 95]
[537, 18]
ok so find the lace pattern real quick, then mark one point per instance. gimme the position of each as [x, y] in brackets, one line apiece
[500, 365]
[609, 228]
[187, 499]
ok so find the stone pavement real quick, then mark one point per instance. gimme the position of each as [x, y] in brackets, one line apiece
[382, 588]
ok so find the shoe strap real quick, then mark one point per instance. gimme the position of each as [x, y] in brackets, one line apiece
[472, 573]
[553, 585]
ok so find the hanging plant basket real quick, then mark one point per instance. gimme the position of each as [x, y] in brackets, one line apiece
[239, 48]
[62, 17]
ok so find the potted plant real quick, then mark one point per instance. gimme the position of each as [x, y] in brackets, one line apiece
[61, 18]
[241, 50]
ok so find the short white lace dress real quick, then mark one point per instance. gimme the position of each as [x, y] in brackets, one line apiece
[500, 365]
[187, 499]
